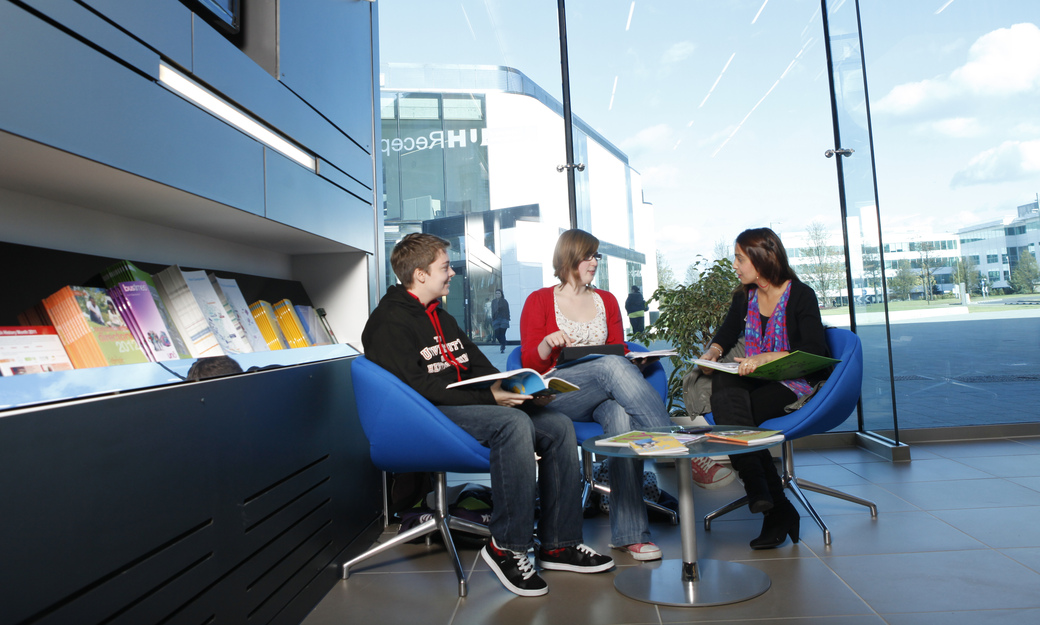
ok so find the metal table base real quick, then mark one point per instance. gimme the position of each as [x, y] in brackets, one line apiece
[718, 582]
[690, 582]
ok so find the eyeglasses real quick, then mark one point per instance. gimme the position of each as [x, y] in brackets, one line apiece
[596, 256]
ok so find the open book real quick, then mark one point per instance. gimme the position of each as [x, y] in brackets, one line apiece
[523, 381]
[658, 445]
[793, 365]
[657, 353]
[624, 440]
[747, 437]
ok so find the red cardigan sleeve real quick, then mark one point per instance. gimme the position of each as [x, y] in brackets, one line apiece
[537, 320]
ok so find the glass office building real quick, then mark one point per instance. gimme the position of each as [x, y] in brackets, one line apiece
[470, 153]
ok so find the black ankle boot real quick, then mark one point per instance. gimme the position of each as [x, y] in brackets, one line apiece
[779, 523]
[749, 469]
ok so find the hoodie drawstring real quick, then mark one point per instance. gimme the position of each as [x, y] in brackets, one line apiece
[431, 312]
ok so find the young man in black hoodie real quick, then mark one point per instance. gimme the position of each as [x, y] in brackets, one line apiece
[411, 336]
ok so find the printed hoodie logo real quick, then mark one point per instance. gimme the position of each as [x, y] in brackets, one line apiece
[433, 351]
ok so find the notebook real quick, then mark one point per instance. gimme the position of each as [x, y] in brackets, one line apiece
[568, 354]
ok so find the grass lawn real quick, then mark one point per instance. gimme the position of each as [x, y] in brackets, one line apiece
[978, 304]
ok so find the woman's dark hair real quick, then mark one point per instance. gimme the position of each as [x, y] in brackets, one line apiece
[767, 254]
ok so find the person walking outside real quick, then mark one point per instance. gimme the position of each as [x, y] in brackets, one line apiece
[636, 308]
[500, 319]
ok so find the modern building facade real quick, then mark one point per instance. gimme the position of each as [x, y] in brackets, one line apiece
[995, 248]
[470, 153]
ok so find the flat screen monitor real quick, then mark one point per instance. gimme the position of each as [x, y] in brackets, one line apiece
[224, 14]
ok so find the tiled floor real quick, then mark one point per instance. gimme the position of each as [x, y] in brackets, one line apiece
[956, 542]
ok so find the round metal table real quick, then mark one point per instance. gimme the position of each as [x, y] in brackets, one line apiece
[688, 582]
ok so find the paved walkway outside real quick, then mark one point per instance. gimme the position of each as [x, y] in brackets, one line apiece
[949, 370]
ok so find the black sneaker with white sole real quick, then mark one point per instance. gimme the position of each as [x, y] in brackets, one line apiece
[514, 570]
[578, 559]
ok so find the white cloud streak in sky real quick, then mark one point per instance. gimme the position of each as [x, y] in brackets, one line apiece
[1002, 62]
[1011, 160]
[716, 83]
[762, 8]
[632, 9]
[678, 53]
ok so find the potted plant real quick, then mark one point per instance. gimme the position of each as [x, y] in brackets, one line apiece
[689, 315]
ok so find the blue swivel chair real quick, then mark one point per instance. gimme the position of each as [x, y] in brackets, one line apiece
[387, 407]
[655, 375]
[828, 408]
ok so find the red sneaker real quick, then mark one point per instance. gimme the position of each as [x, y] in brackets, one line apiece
[710, 474]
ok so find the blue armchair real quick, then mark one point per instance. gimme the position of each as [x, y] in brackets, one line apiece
[828, 408]
[407, 433]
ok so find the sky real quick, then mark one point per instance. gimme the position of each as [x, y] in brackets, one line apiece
[723, 107]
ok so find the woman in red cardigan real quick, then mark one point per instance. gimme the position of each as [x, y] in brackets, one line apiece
[613, 391]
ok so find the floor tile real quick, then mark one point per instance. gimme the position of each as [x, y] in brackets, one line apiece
[999, 528]
[1007, 465]
[972, 617]
[971, 449]
[940, 469]
[939, 581]
[952, 495]
[954, 543]
[1029, 556]
[800, 588]
[890, 533]
[389, 598]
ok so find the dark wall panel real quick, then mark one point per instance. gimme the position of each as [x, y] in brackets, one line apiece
[221, 499]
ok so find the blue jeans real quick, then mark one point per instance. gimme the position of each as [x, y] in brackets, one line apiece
[514, 435]
[614, 394]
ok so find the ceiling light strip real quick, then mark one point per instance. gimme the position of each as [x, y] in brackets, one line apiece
[203, 98]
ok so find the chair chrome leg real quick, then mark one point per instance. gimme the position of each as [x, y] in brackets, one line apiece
[795, 484]
[440, 490]
[726, 509]
[673, 516]
[592, 485]
[826, 490]
[441, 522]
[416, 532]
[797, 492]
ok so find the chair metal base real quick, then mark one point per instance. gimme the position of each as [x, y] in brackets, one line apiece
[589, 485]
[441, 522]
[795, 484]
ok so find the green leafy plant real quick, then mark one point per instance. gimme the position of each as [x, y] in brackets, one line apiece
[689, 315]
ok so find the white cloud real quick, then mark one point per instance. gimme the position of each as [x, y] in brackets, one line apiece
[662, 177]
[911, 96]
[1027, 128]
[1005, 61]
[652, 138]
[678, 53]
[1002, 62]
[959, 127]
[1011, 160]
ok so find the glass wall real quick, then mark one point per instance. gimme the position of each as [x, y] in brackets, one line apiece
[473, 141]
[697, 120]
[953, 92]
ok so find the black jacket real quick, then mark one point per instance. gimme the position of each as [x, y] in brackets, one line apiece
[804, 325]
[400, 337]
